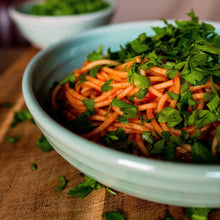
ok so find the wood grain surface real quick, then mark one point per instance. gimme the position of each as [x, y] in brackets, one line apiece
[27, 194]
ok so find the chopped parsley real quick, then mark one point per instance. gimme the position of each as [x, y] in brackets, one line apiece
[129, 110]
[13, 139]
[118, 140]
[89, 104]
[171, 116]
[131, 98]
[96, 55]
[200, 154]
[83, 189]
[81, 124]
[23, 115]
[122, 119]
[82, 78]
[188, 46]
[70, 78]
[106, 87]
[197, 213]
[134, 77]
[62, 185]
[33, 166]
[115, 215]
[147, 136]
[200, 118]
[110, 191]
[141, 93]
[173, 96]
[43, 144]
[94, 71]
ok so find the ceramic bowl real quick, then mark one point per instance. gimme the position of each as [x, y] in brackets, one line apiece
[41, 31]
[159, 181]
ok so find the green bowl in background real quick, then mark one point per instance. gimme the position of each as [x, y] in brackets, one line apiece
[42, 31]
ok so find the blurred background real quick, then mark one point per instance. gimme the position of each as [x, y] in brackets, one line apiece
[128, 10]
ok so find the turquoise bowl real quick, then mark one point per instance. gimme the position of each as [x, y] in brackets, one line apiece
[163, 182]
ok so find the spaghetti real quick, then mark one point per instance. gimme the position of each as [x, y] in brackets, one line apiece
[143, 110]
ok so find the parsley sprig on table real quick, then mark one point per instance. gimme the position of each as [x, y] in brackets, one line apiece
[86, 187]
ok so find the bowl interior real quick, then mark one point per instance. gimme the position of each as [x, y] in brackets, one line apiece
[183, 184]
[70, 54]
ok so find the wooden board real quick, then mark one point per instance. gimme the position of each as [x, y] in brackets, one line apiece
[27, 194]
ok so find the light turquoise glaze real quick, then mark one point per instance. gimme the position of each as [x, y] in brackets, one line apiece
[163, 182]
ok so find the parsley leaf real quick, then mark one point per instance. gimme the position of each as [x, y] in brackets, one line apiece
[122, 119]
[13, 139]
[94, 71]
[89, 104]
[196, 135]
[171, 116]
[131, 98]
[63, 183]
[115, 136]
[200, 154]
[135, 77]
[115, 215]
[173, 68]
[81, 124]
[197, 213]
[153, 60]
[139, 45]
[147, 136]
[70, 78]
[141, 81]
[33, 166]
[185, 135]
[110, 191]
[157, 147]
[82, 78]
[141, 93]
[169, 151]
[214, 105]
[106, 86]
[208, 96]
[43, 144]
[173, 96]
[142, 118]
[165, 135]
[83, 189]
[23, 115]
[118, 140]
[200, 118]
[129, 110]
[96, 55]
